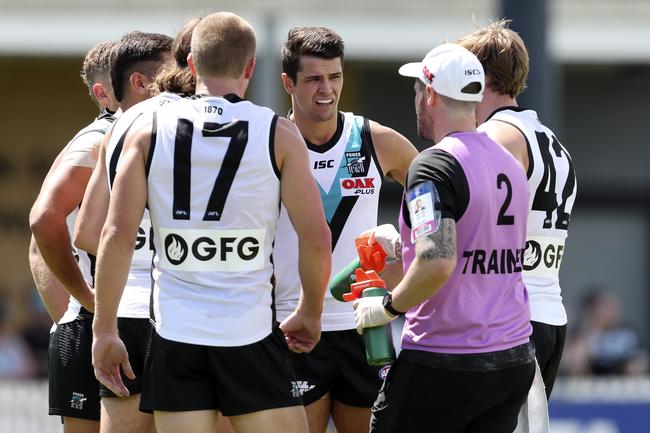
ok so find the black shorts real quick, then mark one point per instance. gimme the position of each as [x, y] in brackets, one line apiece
[73, 389]
[233, 380]
[338, 365]
[549, 345]
[416, 398]
[135, 335]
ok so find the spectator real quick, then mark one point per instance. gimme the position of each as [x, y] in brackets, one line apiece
[36, 332]
[16, 361]
[603, 344]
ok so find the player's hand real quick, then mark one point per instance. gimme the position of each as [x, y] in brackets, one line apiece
[369, 312]
[301, 332]
[109, 354]
[388, 238]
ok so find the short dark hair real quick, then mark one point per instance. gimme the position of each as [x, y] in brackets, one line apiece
[310, 41]
[137, 51]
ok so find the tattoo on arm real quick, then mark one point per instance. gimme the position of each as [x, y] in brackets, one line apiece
[438, 245]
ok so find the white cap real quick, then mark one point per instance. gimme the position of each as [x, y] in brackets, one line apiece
[449, 69]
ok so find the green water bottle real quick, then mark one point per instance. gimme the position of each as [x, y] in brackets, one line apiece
[378, 339]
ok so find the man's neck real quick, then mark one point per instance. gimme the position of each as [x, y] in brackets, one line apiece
[491, 102]
[214, 86]
[316, 132]
[454, 122]
[130, 99]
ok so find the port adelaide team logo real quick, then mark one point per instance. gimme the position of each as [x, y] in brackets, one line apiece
[357, 165]
[355, 162]
[383, 371]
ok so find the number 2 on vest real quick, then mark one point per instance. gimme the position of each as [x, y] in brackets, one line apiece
[503, 219]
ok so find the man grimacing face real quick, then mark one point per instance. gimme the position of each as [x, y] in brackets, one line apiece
[317, 89]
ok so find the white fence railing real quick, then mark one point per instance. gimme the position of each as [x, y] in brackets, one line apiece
[23, 408]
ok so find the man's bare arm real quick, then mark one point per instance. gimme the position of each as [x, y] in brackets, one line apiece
[116, 244]
[94, 206]
[394, 151]
[60, 194]
[435, 261]
[55, 297]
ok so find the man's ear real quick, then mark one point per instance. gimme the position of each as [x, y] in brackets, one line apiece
[190, 64]
[288, 83]
[139, 83]
[104, 96]
[250, 68]
[99, 93]
[432, 96]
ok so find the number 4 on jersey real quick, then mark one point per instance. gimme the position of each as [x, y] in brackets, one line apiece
[546, 196]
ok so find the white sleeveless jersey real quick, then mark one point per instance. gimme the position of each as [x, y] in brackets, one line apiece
[80, 144]
[349, 179]
[214, 202]
[137, 292]
[552, 182]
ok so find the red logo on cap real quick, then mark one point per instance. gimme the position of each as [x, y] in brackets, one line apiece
[427, 74]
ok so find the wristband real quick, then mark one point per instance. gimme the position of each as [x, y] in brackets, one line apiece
[388, 305]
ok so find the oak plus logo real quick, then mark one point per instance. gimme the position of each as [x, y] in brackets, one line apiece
[232, 250]
[352, 186]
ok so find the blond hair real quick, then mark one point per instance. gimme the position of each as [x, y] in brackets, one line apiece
[222, 45]
[503, 55]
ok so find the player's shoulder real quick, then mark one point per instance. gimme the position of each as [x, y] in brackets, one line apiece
[383, 135]
[90, 135]
[286, 129]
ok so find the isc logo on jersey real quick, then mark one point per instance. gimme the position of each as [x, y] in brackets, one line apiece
[352, 186]
[212, 250]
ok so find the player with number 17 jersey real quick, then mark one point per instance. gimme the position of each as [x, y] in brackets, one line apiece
[214, 202]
